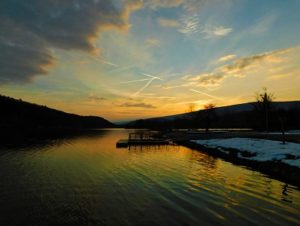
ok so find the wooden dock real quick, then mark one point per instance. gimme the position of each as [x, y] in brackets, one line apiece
[141, 138]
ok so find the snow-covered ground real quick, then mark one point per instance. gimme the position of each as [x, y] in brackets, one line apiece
[262, 150]
[289, 132]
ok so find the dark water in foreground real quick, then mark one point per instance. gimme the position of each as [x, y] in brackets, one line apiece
[87, 181]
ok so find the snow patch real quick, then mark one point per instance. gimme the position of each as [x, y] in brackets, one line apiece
[262, 150]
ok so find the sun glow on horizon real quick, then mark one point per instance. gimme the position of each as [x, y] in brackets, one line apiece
[140, 59]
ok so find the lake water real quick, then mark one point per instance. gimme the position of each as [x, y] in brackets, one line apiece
[87, 181]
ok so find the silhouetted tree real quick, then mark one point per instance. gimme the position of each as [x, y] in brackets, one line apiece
[209, 115]
[192, 117]
[263, 105]
[191, 107]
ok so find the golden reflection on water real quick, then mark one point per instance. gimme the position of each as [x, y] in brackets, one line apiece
[90, 176]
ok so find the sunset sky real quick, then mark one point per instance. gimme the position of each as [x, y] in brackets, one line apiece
[124, 59]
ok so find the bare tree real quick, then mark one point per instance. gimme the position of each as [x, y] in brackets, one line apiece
[191, 117]
[209, 114]
[191, 107]
[263, 104]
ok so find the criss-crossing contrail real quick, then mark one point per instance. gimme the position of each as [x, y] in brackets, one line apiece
[206, 94]
[152, 76]
[144, 87]
[149, 81]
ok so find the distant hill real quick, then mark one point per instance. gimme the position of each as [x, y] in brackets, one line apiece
[235, 109]
[234, 116]
[20, 114]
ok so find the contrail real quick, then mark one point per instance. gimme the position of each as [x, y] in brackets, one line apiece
[172, 87]
[139, 80]
[120, 69]
[206, 94]
[152, 76]
[104, 61]
[149, 81]
[110, 63]
[144, 87]
[98, 59]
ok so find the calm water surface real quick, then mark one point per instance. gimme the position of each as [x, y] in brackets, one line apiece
[87, 181]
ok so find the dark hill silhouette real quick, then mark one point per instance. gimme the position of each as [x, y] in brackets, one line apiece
[235, 116]
[16, 114]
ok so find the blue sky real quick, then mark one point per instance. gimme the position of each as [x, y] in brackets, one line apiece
[135, 59]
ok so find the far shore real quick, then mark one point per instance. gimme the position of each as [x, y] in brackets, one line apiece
[23, 136]
[186, 135]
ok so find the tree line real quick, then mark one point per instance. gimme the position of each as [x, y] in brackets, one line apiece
[265, 115]
[20, 114]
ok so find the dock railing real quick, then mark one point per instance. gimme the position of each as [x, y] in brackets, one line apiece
[139, 136]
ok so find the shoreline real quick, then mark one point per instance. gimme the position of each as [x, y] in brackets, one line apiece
[275, 169]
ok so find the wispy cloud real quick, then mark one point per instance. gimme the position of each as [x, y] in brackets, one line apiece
[280, 76]
[137, 105]
[166, 87]
[93, 97]
[168, 22]
[153, 42]
[191, 25]
[156, 96]
[239, 68]
[264, 24]
[187, 5]
[216, 31]
[226, 58]
[208, 80]
[163, 3]
[206, 94]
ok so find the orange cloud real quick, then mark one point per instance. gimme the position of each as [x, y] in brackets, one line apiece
[240, 67]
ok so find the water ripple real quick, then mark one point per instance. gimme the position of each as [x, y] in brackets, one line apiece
[87, 181]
